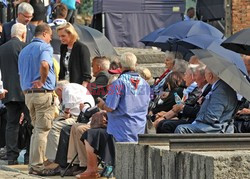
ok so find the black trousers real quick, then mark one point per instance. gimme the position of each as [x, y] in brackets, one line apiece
[14, 110]
[62, 150]
[169, 126]
[3, 120]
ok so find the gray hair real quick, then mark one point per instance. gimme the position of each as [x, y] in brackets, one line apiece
[103, 62]
[173, 55]
[201, 68]
[180, 66]
[18, 29]
[128, 60]
[25, 7]
[61, 83]
[169, 54]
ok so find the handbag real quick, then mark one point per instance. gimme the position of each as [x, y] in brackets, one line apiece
[99, 120]
[85, 116]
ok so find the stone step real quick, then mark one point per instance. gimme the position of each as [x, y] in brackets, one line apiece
[144, 55]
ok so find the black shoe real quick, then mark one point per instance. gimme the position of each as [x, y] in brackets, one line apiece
[12, 162]
[70, 171]
[79, 171]
[53, 172]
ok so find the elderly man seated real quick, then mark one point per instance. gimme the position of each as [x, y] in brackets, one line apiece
[126, 106]
[71, 96]
[97, 88]
[215, 115]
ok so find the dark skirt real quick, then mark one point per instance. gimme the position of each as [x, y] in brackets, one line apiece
[103, 144]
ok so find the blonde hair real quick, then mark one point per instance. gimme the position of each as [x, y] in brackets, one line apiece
[144, 73]
[68, 27]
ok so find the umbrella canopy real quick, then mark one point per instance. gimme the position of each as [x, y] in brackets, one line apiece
[225, 70]
[180, 30]
[202, 41]
[96, 42]
[239, 42]
[151, 37]
[213, 44]
[186, 29]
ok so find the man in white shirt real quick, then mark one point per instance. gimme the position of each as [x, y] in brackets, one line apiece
[70, 95]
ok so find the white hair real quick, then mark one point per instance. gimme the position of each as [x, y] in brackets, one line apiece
[180, 66]
[169, 54]
[25, 7]
[128, 60]
[18, 29]
[61, 83]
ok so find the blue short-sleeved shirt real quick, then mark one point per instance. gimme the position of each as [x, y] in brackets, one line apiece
[129, 97]
[29, 62]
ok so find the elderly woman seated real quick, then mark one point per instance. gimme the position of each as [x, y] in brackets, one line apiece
[173, 83]
[126, 106]
[190, 96]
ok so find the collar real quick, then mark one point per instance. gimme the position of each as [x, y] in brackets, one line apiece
[38, 40]
[213, 85]
[204, 87]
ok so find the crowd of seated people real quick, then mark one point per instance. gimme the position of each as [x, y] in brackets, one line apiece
[119, 99]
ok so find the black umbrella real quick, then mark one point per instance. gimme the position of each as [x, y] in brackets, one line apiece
[97, 43]
[239, 42]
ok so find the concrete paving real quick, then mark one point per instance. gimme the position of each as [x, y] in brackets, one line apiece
[21, 172]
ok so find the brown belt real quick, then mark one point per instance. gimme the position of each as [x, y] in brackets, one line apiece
[38, 91]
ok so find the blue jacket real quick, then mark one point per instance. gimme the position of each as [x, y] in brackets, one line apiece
[6, 34]
[217, 109]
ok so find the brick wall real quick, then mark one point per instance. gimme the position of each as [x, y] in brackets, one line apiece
[240, 15]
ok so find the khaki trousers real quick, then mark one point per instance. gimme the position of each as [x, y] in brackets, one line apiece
[41, 113]
[54, 136]
[76, 146]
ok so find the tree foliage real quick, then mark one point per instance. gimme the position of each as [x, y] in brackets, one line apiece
[86, 7]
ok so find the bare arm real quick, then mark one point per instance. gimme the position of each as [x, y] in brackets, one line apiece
[103, 106]
[44, 71]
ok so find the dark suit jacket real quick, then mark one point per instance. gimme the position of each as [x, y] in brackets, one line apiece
[6, 34]
[79, 63]
[9, 68]
[169, 102]
[190, 111]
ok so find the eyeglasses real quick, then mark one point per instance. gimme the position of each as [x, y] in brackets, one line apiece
[27, 17]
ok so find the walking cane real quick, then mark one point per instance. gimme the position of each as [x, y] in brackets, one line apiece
[62, 175]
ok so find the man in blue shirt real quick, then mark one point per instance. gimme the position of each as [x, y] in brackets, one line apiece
[127, 102]
[37, 79]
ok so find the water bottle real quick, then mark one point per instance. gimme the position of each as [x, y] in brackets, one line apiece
[177, 99]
